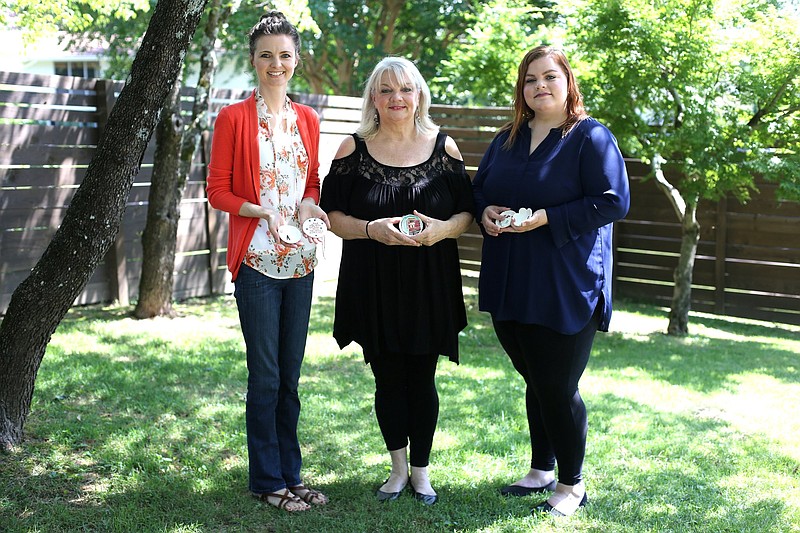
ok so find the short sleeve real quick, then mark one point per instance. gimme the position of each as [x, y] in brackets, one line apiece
[337, 185]
[461, 188]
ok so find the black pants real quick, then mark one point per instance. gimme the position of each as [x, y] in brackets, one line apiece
[406, 402]
[552, 364]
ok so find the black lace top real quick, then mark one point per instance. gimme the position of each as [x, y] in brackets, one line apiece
[398, 299]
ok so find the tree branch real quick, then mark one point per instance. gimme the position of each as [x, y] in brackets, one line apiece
[679, 109]
[673, 194]
[393, 12]
[762, 112]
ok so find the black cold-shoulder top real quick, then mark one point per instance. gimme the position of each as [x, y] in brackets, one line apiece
[398, 299]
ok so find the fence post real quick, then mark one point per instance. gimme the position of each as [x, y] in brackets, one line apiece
[116, 261]
[721, 244]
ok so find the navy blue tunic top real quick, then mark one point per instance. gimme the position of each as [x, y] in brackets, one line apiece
[398, 299]
[553, 275]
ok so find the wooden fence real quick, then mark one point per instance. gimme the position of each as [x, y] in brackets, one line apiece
[749, 256]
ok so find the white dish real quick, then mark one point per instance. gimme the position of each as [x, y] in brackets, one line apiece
[314, 227]
[506, 220]
[289, 234]
[521, 216]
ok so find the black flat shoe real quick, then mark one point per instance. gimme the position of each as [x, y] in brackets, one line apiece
[519, 490]
[427, 499]
[387, 496]
[545, 507]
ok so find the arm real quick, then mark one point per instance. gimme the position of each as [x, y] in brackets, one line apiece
[436, 230]
[486, 214]
[220, 186]
[223, 186]
[309, 132]
[604, 180]
[383, 230]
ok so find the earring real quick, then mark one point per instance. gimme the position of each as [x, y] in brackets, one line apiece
[377, 119]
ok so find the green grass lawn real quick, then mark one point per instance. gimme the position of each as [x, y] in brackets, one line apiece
[139, 426]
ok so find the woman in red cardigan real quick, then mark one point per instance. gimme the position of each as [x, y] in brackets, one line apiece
[264, 172]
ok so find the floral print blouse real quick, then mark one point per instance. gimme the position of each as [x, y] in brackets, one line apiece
[283, 171]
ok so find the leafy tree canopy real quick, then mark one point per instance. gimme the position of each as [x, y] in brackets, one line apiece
[711, 85]
[481, 67]
[466, 50]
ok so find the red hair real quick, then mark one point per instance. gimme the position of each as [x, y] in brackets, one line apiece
[522, 113]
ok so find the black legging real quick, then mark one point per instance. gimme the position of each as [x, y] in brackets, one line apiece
[552, 364]
[406, 402]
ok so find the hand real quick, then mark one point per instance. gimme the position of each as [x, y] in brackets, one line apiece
[309, 209]
[385, 230]
[489, 219]
[537, 219]
[274, 221]
[434, 231]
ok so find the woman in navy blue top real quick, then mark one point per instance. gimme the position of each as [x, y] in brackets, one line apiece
[546, 278]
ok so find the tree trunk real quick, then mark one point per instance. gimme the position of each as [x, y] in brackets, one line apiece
[682, 291]
[176, 145]
[163, 210]
[686, 211]
[92, 221]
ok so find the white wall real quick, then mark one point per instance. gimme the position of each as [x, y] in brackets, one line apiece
[38, 57]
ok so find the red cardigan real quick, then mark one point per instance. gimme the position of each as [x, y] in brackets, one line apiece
[233, 169]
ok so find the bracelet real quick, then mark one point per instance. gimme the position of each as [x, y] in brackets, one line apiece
[366, 229]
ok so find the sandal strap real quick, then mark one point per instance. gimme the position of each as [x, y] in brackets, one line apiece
[284, 498]
[309, 495]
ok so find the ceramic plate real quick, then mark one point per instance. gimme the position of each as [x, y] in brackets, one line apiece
[314, 227]
[289, 234]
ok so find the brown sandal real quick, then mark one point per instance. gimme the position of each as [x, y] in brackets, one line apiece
[285, 498]
[309, 495]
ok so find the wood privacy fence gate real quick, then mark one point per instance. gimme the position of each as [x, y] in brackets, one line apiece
[748, 261]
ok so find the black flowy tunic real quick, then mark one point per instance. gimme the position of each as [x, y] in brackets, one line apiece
[398, 299]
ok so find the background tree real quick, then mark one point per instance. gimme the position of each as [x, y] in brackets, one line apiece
[92, 221]
[119, 27]
[481, 67]
[177, 133]
[354, 36]
[176, 143]
[709, 87]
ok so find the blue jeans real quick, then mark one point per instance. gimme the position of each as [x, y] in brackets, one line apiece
[274, 317]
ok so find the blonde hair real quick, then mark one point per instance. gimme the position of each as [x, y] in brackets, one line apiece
[400, 69]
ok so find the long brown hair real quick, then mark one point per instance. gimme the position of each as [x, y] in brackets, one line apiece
[522, 113]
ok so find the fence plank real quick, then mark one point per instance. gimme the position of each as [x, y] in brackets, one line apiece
[81, 99]
[48, 115]
[23, 134]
